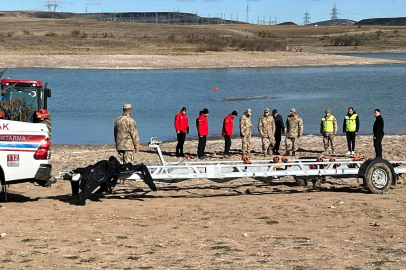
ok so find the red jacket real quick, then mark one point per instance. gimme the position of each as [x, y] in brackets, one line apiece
[202, 126]
[228, 125]
[181, 122]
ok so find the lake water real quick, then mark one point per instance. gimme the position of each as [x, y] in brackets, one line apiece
[85, 103]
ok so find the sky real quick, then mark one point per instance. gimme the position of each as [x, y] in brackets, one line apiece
[283, 10]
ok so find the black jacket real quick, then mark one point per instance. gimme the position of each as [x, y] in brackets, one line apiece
[279, 126]
[356, 123]
[378, 126]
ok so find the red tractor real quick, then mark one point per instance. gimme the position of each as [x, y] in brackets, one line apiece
[25, 100]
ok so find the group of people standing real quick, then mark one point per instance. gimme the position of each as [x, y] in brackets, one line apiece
[270, 127]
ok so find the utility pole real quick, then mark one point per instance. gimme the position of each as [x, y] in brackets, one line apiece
[258, 20]
[306, 18]
[248, 9]
[334, 15]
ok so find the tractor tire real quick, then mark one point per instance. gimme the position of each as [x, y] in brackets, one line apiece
[378, 178]
[48, 122]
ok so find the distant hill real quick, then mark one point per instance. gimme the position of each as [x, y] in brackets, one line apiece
[336, 22]
[384, 21]
[287, 23]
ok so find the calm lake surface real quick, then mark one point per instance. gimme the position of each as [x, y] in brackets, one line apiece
[85, 103]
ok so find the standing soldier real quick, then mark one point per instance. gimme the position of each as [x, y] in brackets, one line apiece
[228, 126]
[182, 128]
[350, 129]
[293, 131]
[245, 132]
[266, 128]
[126, 135]
[202, 132]
[279, 129]
[328, 128]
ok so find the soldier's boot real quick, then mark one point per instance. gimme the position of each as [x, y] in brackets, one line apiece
[287, 153]
[325, 151]
[293, 153]
[332, 150]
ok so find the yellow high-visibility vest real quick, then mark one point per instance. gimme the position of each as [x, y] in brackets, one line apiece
[351, 123]
[328, 124]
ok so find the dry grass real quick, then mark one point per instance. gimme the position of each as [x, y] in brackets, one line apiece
[22, 35]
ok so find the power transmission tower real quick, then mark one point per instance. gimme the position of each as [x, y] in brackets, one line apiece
[334, 15]
[52, 7]
[306, 18]
[248, 9]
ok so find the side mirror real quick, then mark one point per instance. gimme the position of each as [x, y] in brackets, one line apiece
[47, 92]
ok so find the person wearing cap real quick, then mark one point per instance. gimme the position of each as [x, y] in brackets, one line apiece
[126, 135]
[293, 131]
[266, 128]
[350, 129]
[182, 128]
[228, 126]
[245, 132]
[279, 129]
[328, 128]
[202, 132]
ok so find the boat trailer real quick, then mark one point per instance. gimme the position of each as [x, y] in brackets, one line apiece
[377, 174]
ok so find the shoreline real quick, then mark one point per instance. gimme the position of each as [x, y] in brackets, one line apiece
[192, 61]
[221, 139]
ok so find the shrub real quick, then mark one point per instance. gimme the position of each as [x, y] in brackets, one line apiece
[51, 34]
[348, 41]
[75, 33]
[84, 35]
[27, 32]
[10, 34]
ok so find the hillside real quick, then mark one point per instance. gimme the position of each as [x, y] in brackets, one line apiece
[401, 21]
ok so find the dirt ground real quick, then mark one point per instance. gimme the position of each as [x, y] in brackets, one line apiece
[199, 224]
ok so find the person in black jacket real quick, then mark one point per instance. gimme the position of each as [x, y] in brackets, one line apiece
[279, 129]
[350, 129]
[378, 133]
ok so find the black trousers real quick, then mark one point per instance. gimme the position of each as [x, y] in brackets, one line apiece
[227, 142]
[378, 146]
[201, 146]
[350, 140]
[278, 138]
[181, 141]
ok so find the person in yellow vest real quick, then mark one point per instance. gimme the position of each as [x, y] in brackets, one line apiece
[328, 128]
[350, 129]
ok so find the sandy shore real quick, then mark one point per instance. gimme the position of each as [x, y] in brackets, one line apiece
[210, 60]
[199, 224]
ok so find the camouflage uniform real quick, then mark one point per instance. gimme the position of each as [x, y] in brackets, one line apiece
[266, 128]
[126, 137]
[293, 130]
[329, 137]
[245, 133]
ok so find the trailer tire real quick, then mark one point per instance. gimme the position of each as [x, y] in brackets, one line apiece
[378, 178]
[48, 122]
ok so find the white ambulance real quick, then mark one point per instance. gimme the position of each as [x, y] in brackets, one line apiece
[24, 153]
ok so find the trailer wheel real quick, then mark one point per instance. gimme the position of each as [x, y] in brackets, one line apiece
[378, 178]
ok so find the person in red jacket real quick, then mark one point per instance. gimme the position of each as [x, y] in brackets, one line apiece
[228, 125]
[182, 128]
[202, 132]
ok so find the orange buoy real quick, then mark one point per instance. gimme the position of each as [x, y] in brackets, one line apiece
[216, 89]
[276, 159]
